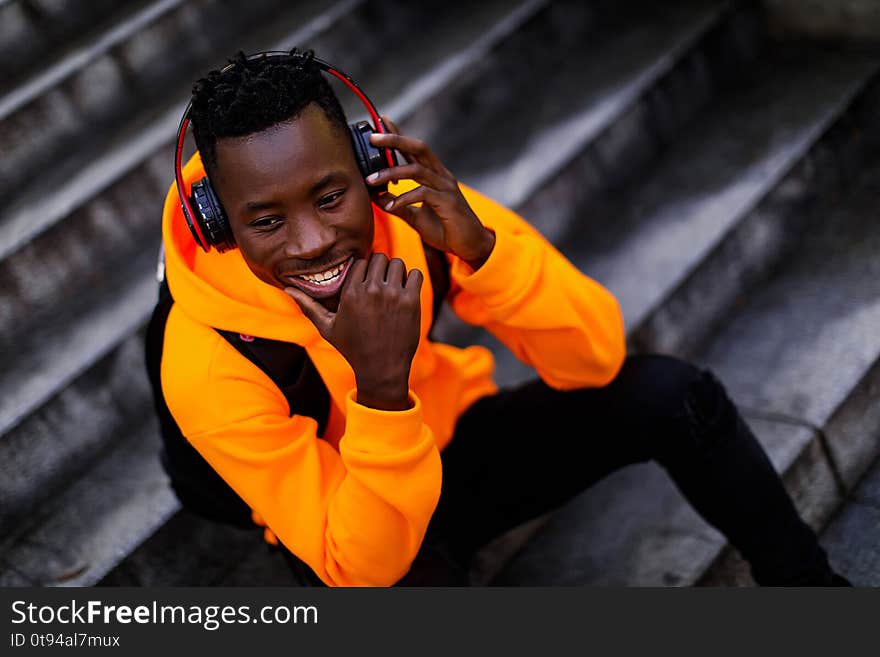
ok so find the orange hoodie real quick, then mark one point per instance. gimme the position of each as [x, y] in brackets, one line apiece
[354, 504]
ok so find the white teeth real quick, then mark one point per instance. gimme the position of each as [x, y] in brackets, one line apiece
[323, 278]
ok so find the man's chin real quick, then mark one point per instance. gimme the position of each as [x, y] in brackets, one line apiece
[330, 303]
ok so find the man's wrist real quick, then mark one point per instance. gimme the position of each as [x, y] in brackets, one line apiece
[384, 397]
[485, 251]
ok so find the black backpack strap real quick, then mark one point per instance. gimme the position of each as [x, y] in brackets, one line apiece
[438, 271]
[197, 485]
[291, 369]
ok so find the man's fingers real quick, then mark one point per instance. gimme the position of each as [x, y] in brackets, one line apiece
[377, 268]
[396, 273]
[414, 280]
[420, 194]
[388, 202]
[314, 311]
[413, 150]
[357, 273]
[413, 171]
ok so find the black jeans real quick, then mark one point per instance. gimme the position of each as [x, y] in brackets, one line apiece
[527, 450]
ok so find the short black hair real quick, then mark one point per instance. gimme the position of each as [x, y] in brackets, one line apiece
[256, 93]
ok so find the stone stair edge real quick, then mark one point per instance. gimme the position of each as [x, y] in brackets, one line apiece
[70, 63]
[70, 531]
[50, 447]
[73, 108]
[711, 20]
[759, 225]
[36, 34]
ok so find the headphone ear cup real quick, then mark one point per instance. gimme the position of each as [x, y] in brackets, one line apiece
[211, 218]
[369, 158]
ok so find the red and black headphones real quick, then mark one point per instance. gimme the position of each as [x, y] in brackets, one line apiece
[204, 214]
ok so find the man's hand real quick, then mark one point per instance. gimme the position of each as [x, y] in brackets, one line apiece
[376, 327]
[444, 220]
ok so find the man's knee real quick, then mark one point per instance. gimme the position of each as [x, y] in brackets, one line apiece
[688, 401]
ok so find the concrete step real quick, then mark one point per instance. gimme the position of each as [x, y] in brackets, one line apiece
[431, 61]
[801, 357]
[32, 31]
[705, 188]
[542, 107]
[99, 519]
[217, 555]
[816, 360]
[852, 537]
[54, 445]
[61, 116]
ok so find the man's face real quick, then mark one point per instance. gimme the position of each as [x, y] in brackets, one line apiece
[297, 204]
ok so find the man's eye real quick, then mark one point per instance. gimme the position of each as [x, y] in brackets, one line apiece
[266, 222]
[331, 199]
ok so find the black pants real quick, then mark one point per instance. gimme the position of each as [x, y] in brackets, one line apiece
[525, 451]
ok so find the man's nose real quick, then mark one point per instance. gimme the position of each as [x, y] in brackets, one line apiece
[308, 237]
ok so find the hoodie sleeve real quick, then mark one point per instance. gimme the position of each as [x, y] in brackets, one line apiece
[356, 516]
[527, 294]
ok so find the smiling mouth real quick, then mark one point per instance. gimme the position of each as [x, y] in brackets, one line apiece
[325, 277]
[322, 284]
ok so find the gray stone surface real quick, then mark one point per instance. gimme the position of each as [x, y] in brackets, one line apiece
[612, 112]
[32, 32]
[801, 344]
[88, 528]
[806, 346]
[733, 155]
[116, 78]
[55, 445]
[853, 536]
[785, 120]
[752, 249]
[599, 78]
[51, 359]
[190, 551]
[868, 490]
[854, 429]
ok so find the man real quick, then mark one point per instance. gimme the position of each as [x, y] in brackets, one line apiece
[414, 458]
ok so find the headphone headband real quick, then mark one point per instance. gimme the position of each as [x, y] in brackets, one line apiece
[197, 226]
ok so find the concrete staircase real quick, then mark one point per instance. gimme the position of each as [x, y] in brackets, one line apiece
[717, 181]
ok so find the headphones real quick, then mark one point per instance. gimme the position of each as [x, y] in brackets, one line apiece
[204, 214]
